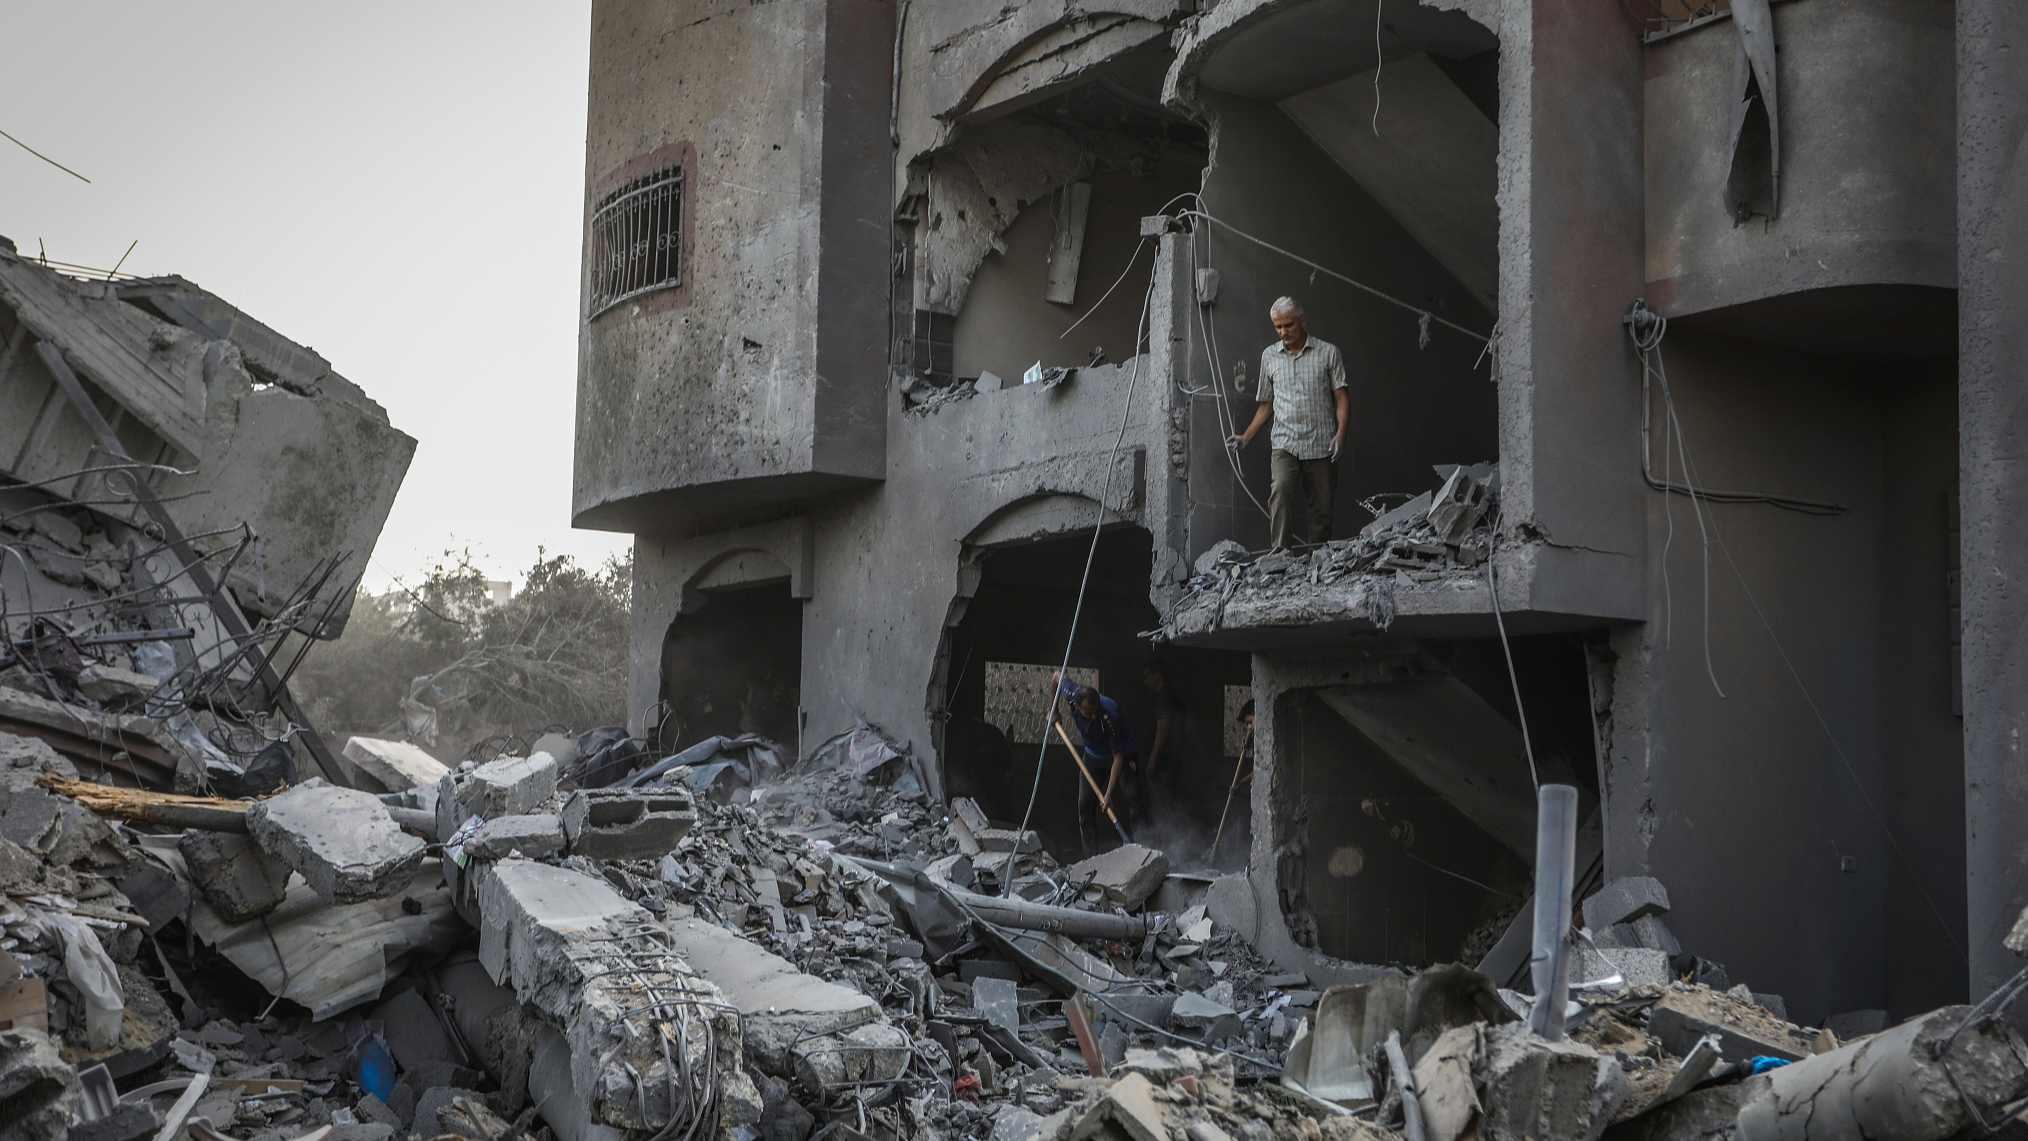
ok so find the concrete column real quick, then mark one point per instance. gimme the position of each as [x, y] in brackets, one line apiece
[1993, 442]
[1571, 258]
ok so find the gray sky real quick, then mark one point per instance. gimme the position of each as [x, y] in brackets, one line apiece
[396, 185]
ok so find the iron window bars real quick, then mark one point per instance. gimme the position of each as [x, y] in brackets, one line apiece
[637, 239]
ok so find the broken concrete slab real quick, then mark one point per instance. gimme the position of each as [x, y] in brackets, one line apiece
[1684, 1015]
[627, 824]
[1130, 1105]
[397, 765]
[112, 685]
[1128, 874]
[776, 1002]
[508, 786]
[339, 840]
[532, 836]
[528, 911]
[238, 878]
[596, 964]
[996, 999]
[1625, 900]
[1198, 1012]
[39, 1092]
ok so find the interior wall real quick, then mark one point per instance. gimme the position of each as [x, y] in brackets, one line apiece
[1021, 612]
[735, 666]
[1750, 811]
[1374, 841]
[1006, 324]
[1922, 741]
[1413, 406]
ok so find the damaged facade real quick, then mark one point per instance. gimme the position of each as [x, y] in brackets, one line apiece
[847, 503]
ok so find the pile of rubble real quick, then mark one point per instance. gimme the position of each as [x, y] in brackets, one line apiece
[710, 946]
[1435, 539]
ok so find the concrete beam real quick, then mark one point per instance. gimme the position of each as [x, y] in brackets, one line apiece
[1992, 73]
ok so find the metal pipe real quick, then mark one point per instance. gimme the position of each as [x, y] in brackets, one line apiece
[1404, 1082]
[1555, 873]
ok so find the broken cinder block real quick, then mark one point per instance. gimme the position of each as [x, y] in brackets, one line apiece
[340, 840]
[509, 786]
[1128, 874]
[626, 823]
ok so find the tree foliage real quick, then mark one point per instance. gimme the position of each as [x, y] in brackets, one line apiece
[555, 653]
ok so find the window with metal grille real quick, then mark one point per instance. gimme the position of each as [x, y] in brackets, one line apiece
[637, 239]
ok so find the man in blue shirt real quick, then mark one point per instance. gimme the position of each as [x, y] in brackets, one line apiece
[1105, 735]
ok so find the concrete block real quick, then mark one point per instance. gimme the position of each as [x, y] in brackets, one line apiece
[1636, 966]
[1538, 1089]
[626, 823]
[531, 836]
[397, 765]
[1197, 1011]
[237, 878]
[1654, 934]
[39, 1091]
[1129, 874]
[1163, 1064]
[113, 685]
[1625, 900]
[996, 999]
[510, 786]
[339, 840]
[1129, 1105]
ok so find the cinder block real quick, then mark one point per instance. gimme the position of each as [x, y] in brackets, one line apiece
[626, 823]
[510, 786]
[1625, 900]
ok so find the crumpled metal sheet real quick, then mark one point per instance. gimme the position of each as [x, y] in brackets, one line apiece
[1753, 178]
[335, 956]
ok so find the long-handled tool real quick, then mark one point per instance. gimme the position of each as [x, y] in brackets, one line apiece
[1077, 758]
[1245, 747]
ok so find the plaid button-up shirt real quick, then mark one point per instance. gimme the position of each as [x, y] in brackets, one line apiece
[1299, 385]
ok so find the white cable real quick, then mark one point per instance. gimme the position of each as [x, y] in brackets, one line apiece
[1091, 556]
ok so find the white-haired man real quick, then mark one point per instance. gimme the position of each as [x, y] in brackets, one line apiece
[1302, 389]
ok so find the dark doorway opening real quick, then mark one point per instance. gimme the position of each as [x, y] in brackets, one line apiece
[1002, 651]
[733, 666]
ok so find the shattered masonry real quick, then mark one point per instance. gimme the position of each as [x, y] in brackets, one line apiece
[1677, 487]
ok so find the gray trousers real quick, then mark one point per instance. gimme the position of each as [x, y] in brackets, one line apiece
[1315, 480]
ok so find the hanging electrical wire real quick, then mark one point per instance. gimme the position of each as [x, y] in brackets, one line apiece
[1091, 556]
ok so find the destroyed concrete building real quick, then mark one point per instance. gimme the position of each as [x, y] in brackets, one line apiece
[887, 305]
[187, 502]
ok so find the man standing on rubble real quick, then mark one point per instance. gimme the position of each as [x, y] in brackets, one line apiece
[1302, 388]
[1106, 736]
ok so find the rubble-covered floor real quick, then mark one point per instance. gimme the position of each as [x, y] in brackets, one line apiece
[715, 947]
